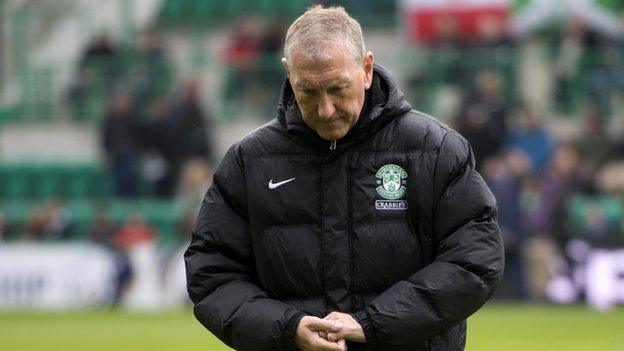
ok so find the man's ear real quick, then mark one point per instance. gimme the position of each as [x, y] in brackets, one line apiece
[368, 61]
[285, 66]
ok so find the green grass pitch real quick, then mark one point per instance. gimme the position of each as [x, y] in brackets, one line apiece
[496, 327]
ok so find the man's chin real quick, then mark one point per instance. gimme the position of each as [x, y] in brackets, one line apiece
[332, 135]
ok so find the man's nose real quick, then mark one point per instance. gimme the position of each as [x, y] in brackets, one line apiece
[326, 107]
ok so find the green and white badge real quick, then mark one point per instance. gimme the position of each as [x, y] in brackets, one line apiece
[391, 186]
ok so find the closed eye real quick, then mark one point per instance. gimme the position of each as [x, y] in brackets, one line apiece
[337, 89]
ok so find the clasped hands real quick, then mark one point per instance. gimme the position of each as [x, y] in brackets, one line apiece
[329, 333]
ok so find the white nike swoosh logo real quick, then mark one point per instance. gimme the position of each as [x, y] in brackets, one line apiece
[275, 185]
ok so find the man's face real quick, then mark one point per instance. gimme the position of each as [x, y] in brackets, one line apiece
[330, 92]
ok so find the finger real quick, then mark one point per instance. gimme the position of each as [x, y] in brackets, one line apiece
[323, 334]
[342, 343]
[322, 345]
[333, 316]
[333, 337]
[326, 325]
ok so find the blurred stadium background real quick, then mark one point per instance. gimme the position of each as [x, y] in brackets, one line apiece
[113, 115]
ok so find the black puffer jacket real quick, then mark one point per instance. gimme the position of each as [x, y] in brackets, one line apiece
[292, 226]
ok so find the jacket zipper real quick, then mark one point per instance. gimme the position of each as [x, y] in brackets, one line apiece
[332, 146]
[350, 228]
[322, 236]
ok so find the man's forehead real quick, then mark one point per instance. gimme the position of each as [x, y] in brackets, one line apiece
[307, 71]
[303, 81]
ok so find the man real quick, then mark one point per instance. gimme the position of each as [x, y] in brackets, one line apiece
[349, 220]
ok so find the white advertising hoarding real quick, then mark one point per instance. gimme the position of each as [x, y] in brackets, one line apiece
[55, 276]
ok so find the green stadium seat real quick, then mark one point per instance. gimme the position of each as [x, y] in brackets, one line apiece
[203, 11]
[47, 181]
[171, 11]
[78, 181]
[266, 7]
[165, 217]
[294, 8]
[101, 186]
[16, 182]
[16, 213]
[82, 214]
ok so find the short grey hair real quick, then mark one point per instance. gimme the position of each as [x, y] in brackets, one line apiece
[318, 29]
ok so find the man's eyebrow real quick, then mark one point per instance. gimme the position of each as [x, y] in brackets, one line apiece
[331, 84]
[339, 81]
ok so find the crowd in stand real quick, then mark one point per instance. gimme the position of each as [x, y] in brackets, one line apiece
[251, 57]
[149, 132]
[560, 196]
[155, 142]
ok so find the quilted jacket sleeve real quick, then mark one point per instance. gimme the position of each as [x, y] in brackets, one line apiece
[220, 271]
[467, 262]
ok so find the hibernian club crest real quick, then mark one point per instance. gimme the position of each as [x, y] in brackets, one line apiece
[391, 186]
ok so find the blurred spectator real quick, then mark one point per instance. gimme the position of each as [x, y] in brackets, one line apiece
[601, 59]
[270, 70]
[588, 65]
[193, 125]
[102, 229]
[103, 232]
[100, 48]
[533, 138]
[544, 203]
[4, 227]
[239, 56]
[483, 118]
[545, 197]
[593, 144]
[134, 231]
[138, 241]
[168, 134]
[443, 81]
[49, 221]
[177, 132]
[273, 36]
[610, 180]
[150, 72]
[121, 142]
[493, 49]
[504, 176]
[194, 182]
[492, 34]
[101, 58]
[569, 50]
[96, 77]
[448, 51]
[79, 94]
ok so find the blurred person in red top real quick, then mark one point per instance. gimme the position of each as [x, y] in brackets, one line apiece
[133, 232]
[239, 56]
